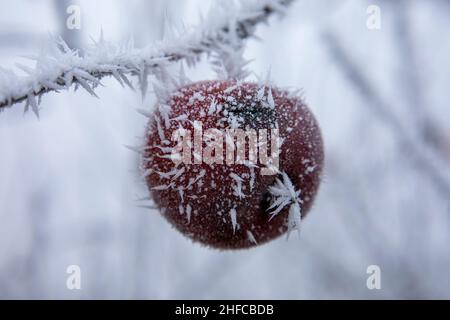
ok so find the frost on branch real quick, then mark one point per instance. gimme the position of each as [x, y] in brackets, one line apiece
[59, 67]
[283, 194]
[228, 63]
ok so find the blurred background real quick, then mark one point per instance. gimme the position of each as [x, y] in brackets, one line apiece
[69, 187]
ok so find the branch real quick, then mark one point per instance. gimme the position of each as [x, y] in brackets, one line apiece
[58, 67]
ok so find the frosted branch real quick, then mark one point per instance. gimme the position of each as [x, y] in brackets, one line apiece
[59, 67]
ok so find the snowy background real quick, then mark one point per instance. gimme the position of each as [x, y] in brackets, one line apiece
[68, 186]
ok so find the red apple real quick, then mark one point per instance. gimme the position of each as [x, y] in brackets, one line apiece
[226, 205]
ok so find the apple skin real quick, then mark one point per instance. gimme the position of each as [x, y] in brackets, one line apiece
[200, 200]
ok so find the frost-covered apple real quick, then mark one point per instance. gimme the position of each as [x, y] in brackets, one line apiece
[233, 164]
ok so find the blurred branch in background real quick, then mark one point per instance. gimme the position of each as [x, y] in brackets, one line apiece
[427, 160]
[408, 252]
[410, 81]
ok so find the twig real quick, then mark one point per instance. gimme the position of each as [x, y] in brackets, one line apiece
[60, 67]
